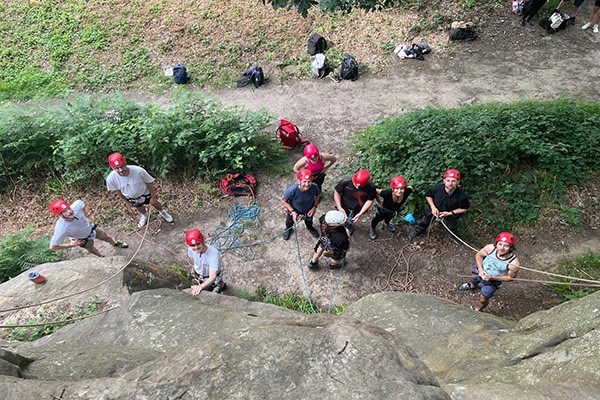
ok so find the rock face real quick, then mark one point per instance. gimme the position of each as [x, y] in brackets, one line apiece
[554, 354]
[166, 344]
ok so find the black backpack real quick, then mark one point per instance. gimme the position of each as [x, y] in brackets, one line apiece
[180, 74]
[349, 68]
[316, 44]
[253, 75]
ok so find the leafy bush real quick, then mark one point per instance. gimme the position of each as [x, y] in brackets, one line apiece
[19, 252]
[586, 266]
[290, 301]
[515, 159]
[198, 135]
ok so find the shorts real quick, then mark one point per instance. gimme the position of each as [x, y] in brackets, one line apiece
[488, 288]
[88, 242]
[140, 201]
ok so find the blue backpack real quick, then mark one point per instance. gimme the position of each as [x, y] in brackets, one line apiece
[180, 74]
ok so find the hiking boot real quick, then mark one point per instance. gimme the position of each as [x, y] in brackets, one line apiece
[572, 20]
[391, 227]
[373, 234]
[313, 265]
[167, 217]
[121, 245]
[143, 220]
[595, 30]
[338, 266]
[286, 234]
[314, 232]
[414, 234]
[465, 287]
[587, 25]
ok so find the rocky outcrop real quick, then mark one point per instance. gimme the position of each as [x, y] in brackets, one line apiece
[166, 344]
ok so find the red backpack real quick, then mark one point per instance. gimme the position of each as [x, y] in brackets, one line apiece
[238, 185]
[289, 134]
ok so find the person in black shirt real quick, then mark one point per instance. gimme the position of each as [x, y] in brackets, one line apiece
[393, 201]
[444, 200]
[354, 196]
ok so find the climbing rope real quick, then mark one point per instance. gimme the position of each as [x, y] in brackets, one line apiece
[242, 218]
[63, 322]
[301, 267]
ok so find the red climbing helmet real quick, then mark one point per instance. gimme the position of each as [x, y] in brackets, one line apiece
[506, 237]
[57, 206]
[452, 173]
[397, 182]
[194, 236]
[311, 151]
[361, 178]
[305, 175]
[116, 159]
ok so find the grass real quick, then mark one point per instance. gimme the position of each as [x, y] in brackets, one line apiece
[586, 266]
[52, 47]
[290, 301]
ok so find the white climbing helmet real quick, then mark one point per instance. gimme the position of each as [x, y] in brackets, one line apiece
[335, 218]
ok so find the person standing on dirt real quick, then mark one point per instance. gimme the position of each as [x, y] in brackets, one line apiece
[135, 187]
[393, 201]
[576, 6]
[207, 270]
[74, 224]
[334, 241]
[317, 163]
[354, 196]
[444, 200]
[300, 201]
[495, 263]
[594, 18]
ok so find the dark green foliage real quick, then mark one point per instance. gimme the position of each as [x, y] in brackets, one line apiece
[302, 6]
[197, 135]
[515, 159]
[586, 266]
[290, 301]
[19, 252]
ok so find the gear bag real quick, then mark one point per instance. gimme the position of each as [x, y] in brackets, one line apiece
[180, 75]
[319, 66]
[316, 44]
[349, 68]
[253, 75]
[238, 185]
[289, 134]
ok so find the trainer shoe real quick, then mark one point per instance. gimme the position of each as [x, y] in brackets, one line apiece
[391, 227]
[314, 232]
[167, 217]
[587, 25]
[466, 287]
[143, 220]
[572, 20]
[313, 265]
[373, 234]
[595, 30]
[121, 245]
[413, 235]
[286, 234]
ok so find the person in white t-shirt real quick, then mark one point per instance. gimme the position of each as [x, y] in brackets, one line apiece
[135, 187]
[74, 224]
[207, 270]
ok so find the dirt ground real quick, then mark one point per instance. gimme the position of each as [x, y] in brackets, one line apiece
[506, 63]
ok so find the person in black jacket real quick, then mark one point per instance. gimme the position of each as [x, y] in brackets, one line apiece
[444, 200]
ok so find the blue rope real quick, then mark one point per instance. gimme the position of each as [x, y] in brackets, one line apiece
[336, 286]
[302, 271]
[242, 218]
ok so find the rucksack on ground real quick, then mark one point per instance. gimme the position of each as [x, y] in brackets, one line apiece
[289, 134]
[319, 66]
[180, 75]
[316, 44]
[253, 75]
[349, 68]
[238, 185]
[555, 22]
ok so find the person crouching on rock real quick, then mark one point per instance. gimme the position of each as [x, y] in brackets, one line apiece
[496, 263]
[334, 241]
[301, 200]
[74, 223]
[207, 270]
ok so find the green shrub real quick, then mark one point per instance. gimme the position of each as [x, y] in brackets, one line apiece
[586, 266]
[197, 135]
[515, 159]
[19, 252]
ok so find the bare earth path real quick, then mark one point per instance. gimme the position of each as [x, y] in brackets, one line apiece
[511, 64]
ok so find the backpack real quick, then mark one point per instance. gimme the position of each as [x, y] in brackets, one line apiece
[316, 44]
[319, 66]
[333, 237]
[253, 75]
[180, 75]
[555, 22]
[289, 134]
[238, 185]
[349, 68]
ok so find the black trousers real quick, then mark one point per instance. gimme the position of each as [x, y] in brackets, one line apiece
[289, 221]
[451, 222]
